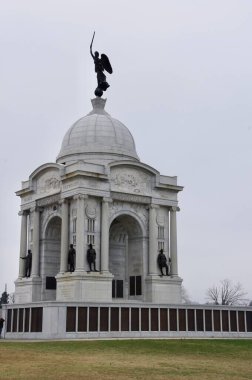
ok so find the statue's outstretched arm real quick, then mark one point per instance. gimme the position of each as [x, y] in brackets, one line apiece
[92, 45]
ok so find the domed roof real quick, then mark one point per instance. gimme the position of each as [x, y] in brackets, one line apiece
[97, 135]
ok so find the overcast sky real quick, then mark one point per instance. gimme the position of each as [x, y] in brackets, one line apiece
[182, 84]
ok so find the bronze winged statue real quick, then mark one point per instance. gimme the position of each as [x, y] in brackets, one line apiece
[101, 63]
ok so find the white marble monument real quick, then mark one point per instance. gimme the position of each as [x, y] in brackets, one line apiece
[98, 192]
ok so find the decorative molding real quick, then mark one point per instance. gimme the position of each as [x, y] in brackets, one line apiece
[70, 185]
[131, 198]
[49, 200]
[91, 211]
[174, 208]
[24, 212]
[80, 197]
[160, 217]
[36, 208]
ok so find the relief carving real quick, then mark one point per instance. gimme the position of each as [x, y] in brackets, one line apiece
[131, 180]
[91, 211]
[52, 184]
[48, 182]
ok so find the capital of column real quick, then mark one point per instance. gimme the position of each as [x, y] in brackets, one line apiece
[174, 208]
[80, 197]
[62, 201]
[153, 205]
[107, 199]
[23, 212]
[36, 208]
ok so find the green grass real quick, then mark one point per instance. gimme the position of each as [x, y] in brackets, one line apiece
[127, 359]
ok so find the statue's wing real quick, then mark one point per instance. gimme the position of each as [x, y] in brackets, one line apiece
[106, 64]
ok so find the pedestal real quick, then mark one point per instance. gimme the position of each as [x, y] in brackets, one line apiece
[84, 287]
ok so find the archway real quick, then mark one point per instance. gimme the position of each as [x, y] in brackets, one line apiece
[50, 265]
[126, 257]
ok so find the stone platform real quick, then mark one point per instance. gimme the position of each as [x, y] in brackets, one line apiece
[58, 320]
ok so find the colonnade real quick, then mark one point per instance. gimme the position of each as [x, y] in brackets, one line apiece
[80, 238]
[80, 242]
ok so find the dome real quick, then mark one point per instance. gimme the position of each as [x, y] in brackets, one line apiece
[97, 136]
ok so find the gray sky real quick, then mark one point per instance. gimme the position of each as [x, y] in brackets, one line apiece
[182, 85]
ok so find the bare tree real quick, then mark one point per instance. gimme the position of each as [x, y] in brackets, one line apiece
[227, 293]
[213, 294]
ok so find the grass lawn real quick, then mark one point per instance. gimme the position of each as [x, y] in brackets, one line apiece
[127, 359]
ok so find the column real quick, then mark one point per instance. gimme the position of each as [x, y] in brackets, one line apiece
[153, 243]
[23, 243]
[80, 229]
[64, 236]
[105, 236]
[36, 241]
[173, 241]
[167, 235]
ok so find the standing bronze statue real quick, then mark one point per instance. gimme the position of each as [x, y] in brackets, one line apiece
[162, 262]
[101, 63]
[71, 258]
[28, 263]
[91, 257]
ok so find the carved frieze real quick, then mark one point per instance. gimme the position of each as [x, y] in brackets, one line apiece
[48, 182]
[48, 200]
[130, 198]
[131, 180]
[70, 185]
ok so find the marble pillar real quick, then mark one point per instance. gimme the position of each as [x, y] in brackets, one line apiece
[23, 243]
[36, 241]
[173, 241]
[80, 233]
[64, 236]
[153, 242]
[105, 236]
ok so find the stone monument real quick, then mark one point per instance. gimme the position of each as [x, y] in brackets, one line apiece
[98, 192]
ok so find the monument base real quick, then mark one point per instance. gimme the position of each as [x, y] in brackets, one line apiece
[84, 286]
[163, 289]
[28, 289]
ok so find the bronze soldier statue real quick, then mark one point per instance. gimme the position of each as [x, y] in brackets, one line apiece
[91, 257]
[101, 63]
[28, 263]
[162, 262]
[71, 258]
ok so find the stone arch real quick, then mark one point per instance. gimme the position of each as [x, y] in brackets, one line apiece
[50, 260]
[133, 215]
[127, 256]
